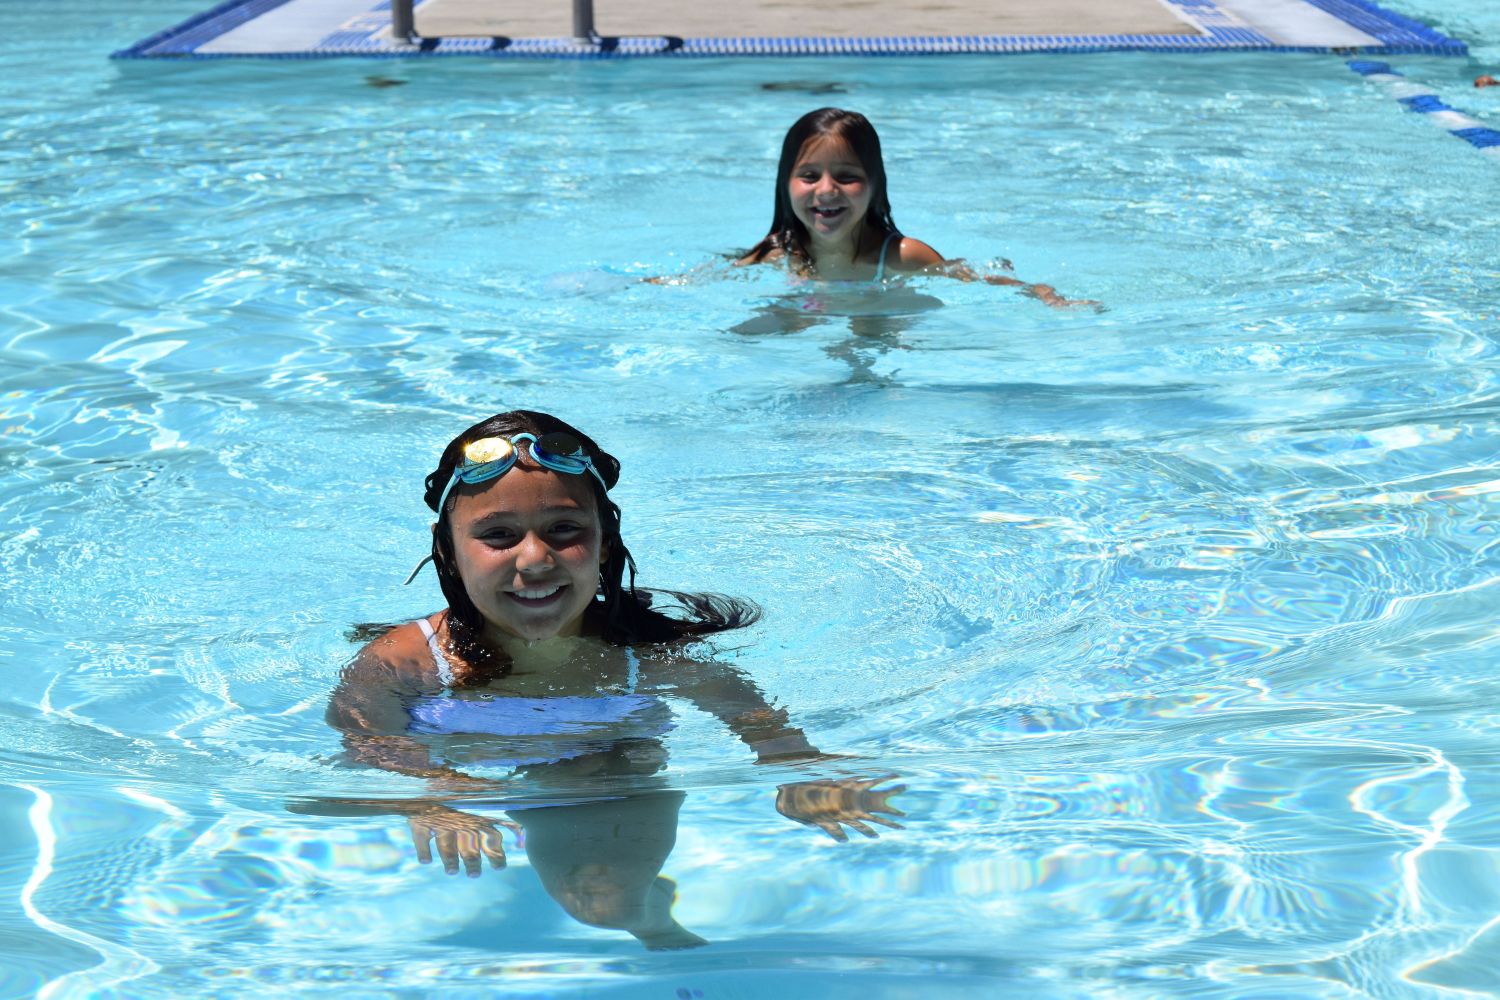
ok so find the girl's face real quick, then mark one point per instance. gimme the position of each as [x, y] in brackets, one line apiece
[528, 547]
[829, 190]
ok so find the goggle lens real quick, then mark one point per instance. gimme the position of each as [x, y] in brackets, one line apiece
[485, 459]
[488, 450]
[561, 448]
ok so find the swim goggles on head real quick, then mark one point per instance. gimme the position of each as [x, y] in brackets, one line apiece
[492, 457]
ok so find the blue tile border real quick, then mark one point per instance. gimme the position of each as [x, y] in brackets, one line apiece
[365, 36]
[1420, 100]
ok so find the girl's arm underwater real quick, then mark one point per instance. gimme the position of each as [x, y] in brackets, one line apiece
[459, 836]
[732, 697]
[912, 256]
[829, 804]
[716, 270]
[916, 256]
[961, 270]
[368, 707]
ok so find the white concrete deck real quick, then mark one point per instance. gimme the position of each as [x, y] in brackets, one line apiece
[1293, 22]
[797, 18]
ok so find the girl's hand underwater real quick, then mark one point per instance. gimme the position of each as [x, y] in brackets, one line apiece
[459, 836]
[852, 802]
[1048, 295]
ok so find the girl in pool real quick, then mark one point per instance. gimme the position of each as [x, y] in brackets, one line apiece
[833, 217]
[548, 663]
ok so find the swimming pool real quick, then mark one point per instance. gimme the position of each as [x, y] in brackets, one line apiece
[1176, 619]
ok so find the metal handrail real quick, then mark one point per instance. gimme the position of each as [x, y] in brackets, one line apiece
[583, 21]
[404, 24]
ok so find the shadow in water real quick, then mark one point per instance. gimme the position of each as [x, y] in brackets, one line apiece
[876, 320]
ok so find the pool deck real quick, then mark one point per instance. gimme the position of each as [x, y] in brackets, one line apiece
[789, 18]
[625, 28]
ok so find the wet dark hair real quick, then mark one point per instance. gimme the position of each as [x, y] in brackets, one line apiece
[625, 613]
[787, 233]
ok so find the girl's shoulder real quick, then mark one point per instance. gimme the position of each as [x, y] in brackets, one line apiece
[402, 653]
[757, 256]
[371, 692]
[909, 254]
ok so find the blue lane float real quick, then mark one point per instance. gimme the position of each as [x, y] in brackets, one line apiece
[1422, 100]
[366, 32]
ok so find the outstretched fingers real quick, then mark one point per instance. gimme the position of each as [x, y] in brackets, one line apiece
[468, 842]
[461, 839]
[494, 847]
[421, 838]
[832, 805]
[447, 848]
[832, 828]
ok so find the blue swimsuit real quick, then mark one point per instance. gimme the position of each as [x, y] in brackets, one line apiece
[538, 730]
[880, 267]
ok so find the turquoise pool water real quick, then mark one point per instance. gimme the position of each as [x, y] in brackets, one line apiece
[1177, 620]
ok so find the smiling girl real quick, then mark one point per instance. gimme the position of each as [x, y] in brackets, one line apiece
[832, 216]
[528, 554]
[547, 660]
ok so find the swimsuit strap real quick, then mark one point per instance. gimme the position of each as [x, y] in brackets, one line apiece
[444, 668]
[880, 268]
